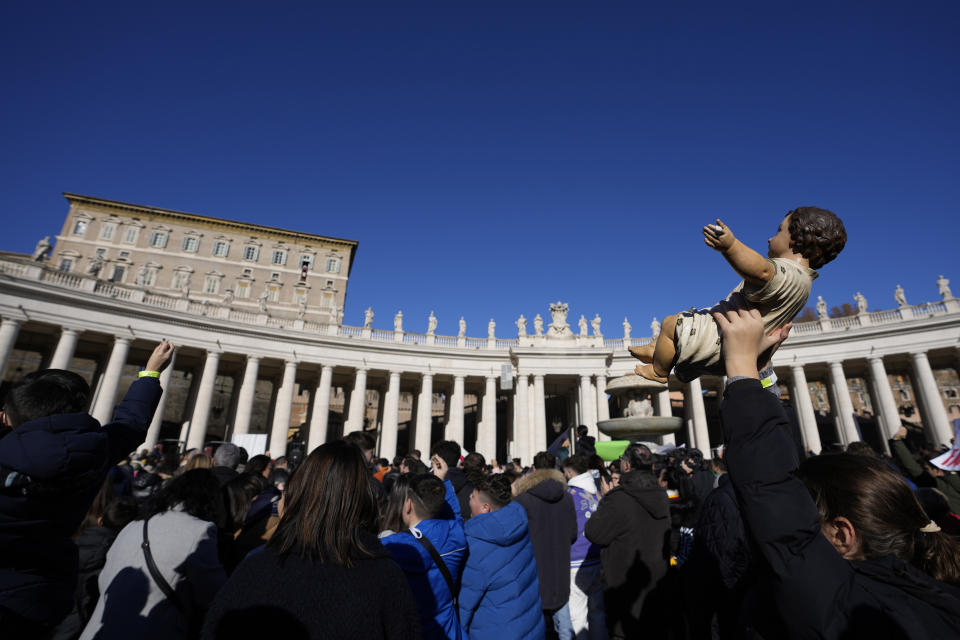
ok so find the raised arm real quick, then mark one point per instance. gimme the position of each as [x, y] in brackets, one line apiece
[133, 414]
[750, 265]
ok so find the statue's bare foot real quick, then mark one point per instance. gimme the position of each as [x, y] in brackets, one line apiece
[649, 372]
[644, 353]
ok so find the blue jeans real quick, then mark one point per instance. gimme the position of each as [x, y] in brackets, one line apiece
[560, 621]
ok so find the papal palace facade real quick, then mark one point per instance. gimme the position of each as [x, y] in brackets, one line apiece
[257, 314]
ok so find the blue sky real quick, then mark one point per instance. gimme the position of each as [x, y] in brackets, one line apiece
[493, 157]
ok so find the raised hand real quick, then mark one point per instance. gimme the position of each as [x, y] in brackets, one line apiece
[160, 357]
[718, 236]
[439, 467]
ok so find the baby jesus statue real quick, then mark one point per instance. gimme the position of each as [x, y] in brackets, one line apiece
[778, 285]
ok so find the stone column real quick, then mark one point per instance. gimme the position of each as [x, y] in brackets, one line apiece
[358, 403]
[153, 432]
[487, 429]
[540, 411]
[586, 405]
[935, 415]
[201, 410]
[887, 406]
[804, 405]
[454, 429]
[844, 408]
[391, 418]
[9, 331]
[421, 436]
[186, 415]
[103, 410]
[281, 413]
[603, 405]
[665, 408]
[319, 420]
[698, 414]
[65, 348]
[248, 388]
[521, 420]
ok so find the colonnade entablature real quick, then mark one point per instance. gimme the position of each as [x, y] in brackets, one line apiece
[116, 319]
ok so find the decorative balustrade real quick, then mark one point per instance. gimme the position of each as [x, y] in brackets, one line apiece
[19, 269]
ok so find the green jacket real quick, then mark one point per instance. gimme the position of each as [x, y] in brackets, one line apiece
[949, 483]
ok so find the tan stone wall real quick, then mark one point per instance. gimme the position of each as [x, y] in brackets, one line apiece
[122, 233]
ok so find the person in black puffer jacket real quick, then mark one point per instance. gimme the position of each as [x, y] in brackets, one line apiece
[553, 528]
[632, 524]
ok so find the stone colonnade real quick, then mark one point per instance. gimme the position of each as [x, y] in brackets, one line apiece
[526, 430]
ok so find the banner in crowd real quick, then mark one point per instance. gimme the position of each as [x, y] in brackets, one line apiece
[950, 461]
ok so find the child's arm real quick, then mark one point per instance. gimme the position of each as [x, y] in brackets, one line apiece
[750, 265]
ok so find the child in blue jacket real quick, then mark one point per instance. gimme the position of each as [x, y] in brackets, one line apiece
[499, 589]
[429, 509]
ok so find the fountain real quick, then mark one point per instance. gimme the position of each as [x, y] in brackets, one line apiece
[638, 421]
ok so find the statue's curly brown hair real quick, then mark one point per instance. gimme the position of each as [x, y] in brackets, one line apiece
[816, 234]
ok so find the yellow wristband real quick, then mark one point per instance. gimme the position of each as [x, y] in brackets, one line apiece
[149, 374]
[766, 383]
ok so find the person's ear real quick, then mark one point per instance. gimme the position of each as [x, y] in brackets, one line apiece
[842, 535]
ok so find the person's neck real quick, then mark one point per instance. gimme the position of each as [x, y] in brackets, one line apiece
[792, 256]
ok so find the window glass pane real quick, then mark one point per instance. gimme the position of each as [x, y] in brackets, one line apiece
[279, 257]
[212, 284]
[131, 235]
[80, 227]
[107, 231]
[333, 265]
[243, 290]
[221, 249]
[190, 243]
[66, 264]
[158, 239]
[250, 253]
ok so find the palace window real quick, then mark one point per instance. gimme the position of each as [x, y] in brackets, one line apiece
[211, 284]
[273, 293]
[158, 239]
[106, 231]
[279, 257]
[181, 279]
[118, 273]
[124, 255]
[251, 253]
[80, 227]
[306, 260]
[130, 235]
[221, 248]
[243, 290]
[333, 265]
[66, 264]
[149, 276]
[191, 244]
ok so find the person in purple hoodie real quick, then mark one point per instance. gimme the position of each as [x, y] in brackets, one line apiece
[586, 583]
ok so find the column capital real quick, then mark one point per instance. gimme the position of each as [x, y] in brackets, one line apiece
[491, 377]
[874, 357]
[70, 330]
[538, 376]
[395, 372]
[123, 339]
[326, 367]
[796, 365]
[362, 369]
[919, 354]
[459, 376]
[427, 375]
[11, 320]
[253, 358]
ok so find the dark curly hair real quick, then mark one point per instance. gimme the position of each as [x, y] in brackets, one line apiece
[497, 488]
[816, 234]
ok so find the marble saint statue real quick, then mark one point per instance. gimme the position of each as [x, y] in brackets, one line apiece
[861, 302]
[262, 301]
[431, 324]
[228, 297]
[521, 327]
[943, 285]
[368, 318]
[655, 327]
[42, 249]
[463, 328]
[538, 325]
[398, 321]
[822, 308]
[595, 324]
[900, 296]
[583, 325]
[96, 263]
[491, 327]
[627, 328]
[141, 276]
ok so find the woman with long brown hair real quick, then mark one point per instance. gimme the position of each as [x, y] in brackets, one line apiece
[323, 574]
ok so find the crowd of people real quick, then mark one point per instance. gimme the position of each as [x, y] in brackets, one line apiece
[98, 540]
